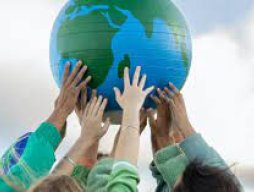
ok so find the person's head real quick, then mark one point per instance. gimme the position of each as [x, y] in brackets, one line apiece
[200, 178]
[61, 183]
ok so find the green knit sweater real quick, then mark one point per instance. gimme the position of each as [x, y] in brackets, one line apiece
[36, 161]
[170, 162]
[108, 175]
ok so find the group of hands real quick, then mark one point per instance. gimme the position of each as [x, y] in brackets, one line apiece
[170, 126]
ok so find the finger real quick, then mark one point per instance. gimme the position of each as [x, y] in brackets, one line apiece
[93, 103]
[171, 105]
[66, 72]
[80, 75]
[174, 88]
[94, 93]
[161, 95]
[87, 109]
[136, 76]
[83, 101]
[74, 73]
[149, 90]
[142, 82]
[126, 77]
[169, 92]
[97, 105]
[155, 99]
[106, 126]
[117, 94]
[84, 83]
[103, 107]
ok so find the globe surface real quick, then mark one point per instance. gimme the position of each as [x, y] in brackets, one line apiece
[108, 35]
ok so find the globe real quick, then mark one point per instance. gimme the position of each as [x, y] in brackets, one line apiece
[109, 35]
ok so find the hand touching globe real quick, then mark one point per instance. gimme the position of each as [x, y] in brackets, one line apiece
[111, 35]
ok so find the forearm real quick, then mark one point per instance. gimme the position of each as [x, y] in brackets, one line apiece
[82, 153]
[58, 119]
[112, 154]
[128, 145]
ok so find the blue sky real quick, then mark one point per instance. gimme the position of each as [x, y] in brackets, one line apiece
[206, 15]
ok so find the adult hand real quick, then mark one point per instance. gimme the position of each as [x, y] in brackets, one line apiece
[133, 96]
[69, 93]
[92, 117]
[162, 126]
[178, 110]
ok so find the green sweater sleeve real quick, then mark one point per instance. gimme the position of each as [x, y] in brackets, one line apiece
[80, 174]
[196, 148]
[38, 157]
[169, 164]
[109, 175]
[4, 187]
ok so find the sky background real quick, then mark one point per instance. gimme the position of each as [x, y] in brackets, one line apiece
[219, 92]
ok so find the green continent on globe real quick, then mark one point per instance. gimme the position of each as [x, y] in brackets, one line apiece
[76, 40]
[158, 9]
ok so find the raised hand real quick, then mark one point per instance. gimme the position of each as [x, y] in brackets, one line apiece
[133, 96]
[67, 99]
[131, 102]
[92, 130]
[180, 118]
[162, 126]
[82, 102]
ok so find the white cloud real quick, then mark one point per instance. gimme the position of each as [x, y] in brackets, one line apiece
[220, 91]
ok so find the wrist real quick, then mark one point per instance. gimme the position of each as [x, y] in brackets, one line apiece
[187, 131]
[85, 152]
[131, 118]
[58, 119]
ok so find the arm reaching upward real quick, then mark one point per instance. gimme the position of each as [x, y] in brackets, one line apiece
[131, 101]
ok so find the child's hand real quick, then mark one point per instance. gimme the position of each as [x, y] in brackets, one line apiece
[69, 93]
[179, 114]
[82, 102]
[133, 96]
[92, 131]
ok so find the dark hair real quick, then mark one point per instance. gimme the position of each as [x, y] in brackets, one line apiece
[201, 178]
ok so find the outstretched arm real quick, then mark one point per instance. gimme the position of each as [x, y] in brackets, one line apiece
[143, 123]
[131, 101]
[38, 158]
